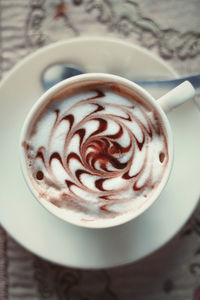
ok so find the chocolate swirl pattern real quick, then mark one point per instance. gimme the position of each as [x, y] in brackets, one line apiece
[97, 152]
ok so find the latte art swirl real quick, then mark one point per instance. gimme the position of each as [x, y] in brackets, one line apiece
[97, 151]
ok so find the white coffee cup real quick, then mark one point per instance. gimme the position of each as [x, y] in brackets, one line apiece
[163, 105]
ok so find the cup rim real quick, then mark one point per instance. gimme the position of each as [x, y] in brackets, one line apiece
[62, 213]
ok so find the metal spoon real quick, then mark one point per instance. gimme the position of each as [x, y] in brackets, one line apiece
[58, 72]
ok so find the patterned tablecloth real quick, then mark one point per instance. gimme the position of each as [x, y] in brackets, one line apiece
[171, 29]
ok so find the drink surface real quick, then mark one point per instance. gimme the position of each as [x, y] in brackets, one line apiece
[96, 150]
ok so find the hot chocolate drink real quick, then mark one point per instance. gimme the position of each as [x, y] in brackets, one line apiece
[97, 149]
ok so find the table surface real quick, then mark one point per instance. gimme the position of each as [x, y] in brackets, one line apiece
[169, 29]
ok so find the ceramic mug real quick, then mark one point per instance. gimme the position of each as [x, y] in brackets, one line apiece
[71, 214]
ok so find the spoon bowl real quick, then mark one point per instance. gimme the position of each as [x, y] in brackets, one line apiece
[58, 72]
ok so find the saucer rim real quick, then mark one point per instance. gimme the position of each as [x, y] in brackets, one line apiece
[45, 48]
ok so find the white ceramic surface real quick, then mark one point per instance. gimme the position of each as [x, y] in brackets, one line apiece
[45, 235]
[72, 216]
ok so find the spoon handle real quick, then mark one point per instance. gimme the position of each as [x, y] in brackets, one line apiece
[171, 83]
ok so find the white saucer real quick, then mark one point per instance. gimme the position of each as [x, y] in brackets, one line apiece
[42, 233]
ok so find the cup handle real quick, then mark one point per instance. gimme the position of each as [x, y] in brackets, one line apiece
[176, 96]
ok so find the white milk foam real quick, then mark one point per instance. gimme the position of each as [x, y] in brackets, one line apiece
[97, 151]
